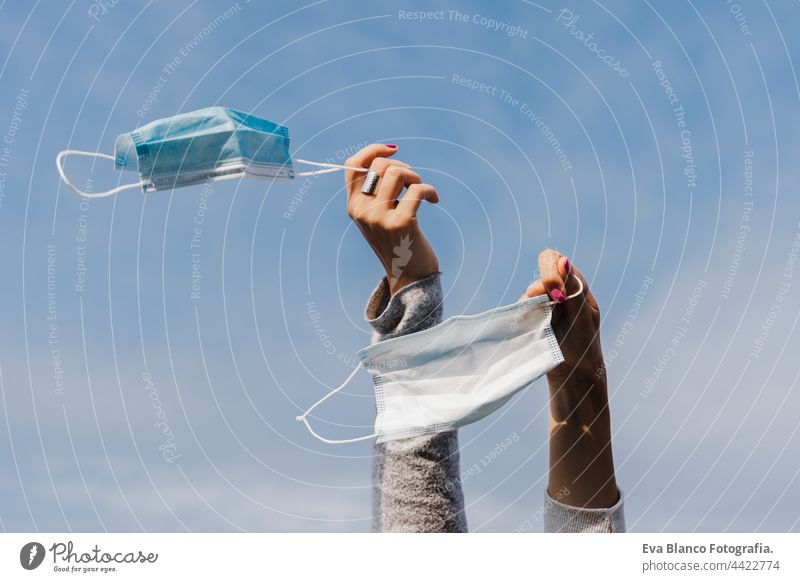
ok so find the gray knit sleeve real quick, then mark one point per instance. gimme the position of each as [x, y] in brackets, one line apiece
[562, 518]
[416, 485]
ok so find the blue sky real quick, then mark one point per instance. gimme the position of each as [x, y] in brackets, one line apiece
[682, 214]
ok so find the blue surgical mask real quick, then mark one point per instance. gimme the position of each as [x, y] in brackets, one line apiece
[215, 143]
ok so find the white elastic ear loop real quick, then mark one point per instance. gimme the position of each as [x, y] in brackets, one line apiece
[302, 418]
[574, 295]
[328, 168]
[61, 155]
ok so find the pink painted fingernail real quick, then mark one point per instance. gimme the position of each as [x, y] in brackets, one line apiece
[557, 295]
[391, 145]
[567, 265]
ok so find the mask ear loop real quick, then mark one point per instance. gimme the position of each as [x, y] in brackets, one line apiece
[59, 164]
[574, 295]
[328, 168]
[302, 418]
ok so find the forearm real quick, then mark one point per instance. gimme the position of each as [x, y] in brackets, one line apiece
[416, 485]
[416, 480]
[581, 460]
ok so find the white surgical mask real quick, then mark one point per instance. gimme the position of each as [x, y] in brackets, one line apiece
[457, 372]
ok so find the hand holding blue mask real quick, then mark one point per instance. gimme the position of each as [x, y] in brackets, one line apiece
[216, 143]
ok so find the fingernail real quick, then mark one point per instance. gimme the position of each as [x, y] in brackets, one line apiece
[567, 265]
[391, 145]
[557, 295]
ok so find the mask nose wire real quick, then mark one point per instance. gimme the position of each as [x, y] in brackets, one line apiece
[303, 417]
[60, 165]
[328, 168]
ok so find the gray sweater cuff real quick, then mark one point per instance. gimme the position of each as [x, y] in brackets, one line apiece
[413, 308]
[562, 518]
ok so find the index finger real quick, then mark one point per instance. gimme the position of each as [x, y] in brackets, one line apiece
[573, 286]
[363, 158]
[571, 276]
[553, 271]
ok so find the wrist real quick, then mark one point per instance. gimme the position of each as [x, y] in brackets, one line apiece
[581, 391]
[588, 371]
[397, 284]
[406, 279]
